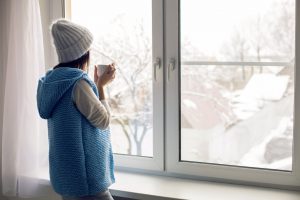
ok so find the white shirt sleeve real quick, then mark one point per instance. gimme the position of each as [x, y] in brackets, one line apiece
[97, 112]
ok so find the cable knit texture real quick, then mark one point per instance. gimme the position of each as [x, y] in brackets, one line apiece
[71, 40]
[80, 155]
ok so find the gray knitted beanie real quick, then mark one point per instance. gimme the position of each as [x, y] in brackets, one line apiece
[70, 40]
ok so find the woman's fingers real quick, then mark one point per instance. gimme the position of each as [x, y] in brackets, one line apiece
[109, 68]
[113, 66]
[95, 74]
[112, 72]
[109, 75]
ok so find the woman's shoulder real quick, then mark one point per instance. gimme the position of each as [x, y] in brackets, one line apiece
[86, 81]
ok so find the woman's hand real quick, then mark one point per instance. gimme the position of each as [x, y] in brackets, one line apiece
[106, 77]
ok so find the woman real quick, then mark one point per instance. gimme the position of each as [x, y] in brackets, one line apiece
[80, 155]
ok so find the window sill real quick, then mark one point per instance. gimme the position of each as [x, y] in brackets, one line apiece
[141, 186]
[149, 187]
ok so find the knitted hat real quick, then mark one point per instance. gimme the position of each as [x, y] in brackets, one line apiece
[71, 40]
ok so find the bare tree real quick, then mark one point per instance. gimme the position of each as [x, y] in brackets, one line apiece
[131, 94]
[257, 40]
[283, 31]
[237, 49]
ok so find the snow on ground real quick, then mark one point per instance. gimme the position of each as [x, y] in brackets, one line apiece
[280, 158]
[261, 138]
[260, 88]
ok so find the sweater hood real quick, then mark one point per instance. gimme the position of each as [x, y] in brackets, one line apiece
[53, 86]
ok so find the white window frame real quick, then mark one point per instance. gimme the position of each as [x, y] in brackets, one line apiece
[155, 163]
[217, 172]
[166, 124]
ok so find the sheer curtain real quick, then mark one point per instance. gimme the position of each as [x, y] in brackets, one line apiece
[24, 136]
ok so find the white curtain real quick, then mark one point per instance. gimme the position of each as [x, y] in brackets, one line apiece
[24, 136]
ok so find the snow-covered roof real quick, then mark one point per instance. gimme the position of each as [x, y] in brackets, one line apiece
[266, 87]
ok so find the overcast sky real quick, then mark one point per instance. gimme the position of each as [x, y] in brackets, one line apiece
[207, 23]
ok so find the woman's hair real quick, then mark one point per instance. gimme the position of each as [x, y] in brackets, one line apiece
[78, 63]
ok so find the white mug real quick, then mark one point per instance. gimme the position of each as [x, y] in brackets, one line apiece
[101, 69]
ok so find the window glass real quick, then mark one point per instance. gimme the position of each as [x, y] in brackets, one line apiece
[123, 34]
[237, 82]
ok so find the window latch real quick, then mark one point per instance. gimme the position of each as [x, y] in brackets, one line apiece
[156, 65]
[171, 67]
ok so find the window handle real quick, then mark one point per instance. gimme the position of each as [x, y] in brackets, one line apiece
[171, 67]
[156, 64]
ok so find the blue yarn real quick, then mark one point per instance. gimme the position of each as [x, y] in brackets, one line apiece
[80, 155]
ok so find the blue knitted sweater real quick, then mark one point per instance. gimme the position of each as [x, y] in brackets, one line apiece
[80, 155]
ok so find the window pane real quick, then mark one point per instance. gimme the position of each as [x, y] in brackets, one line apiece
[237, 82]
[123, 34]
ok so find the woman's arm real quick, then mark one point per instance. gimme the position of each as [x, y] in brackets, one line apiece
[101, 93]
[97, 112]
